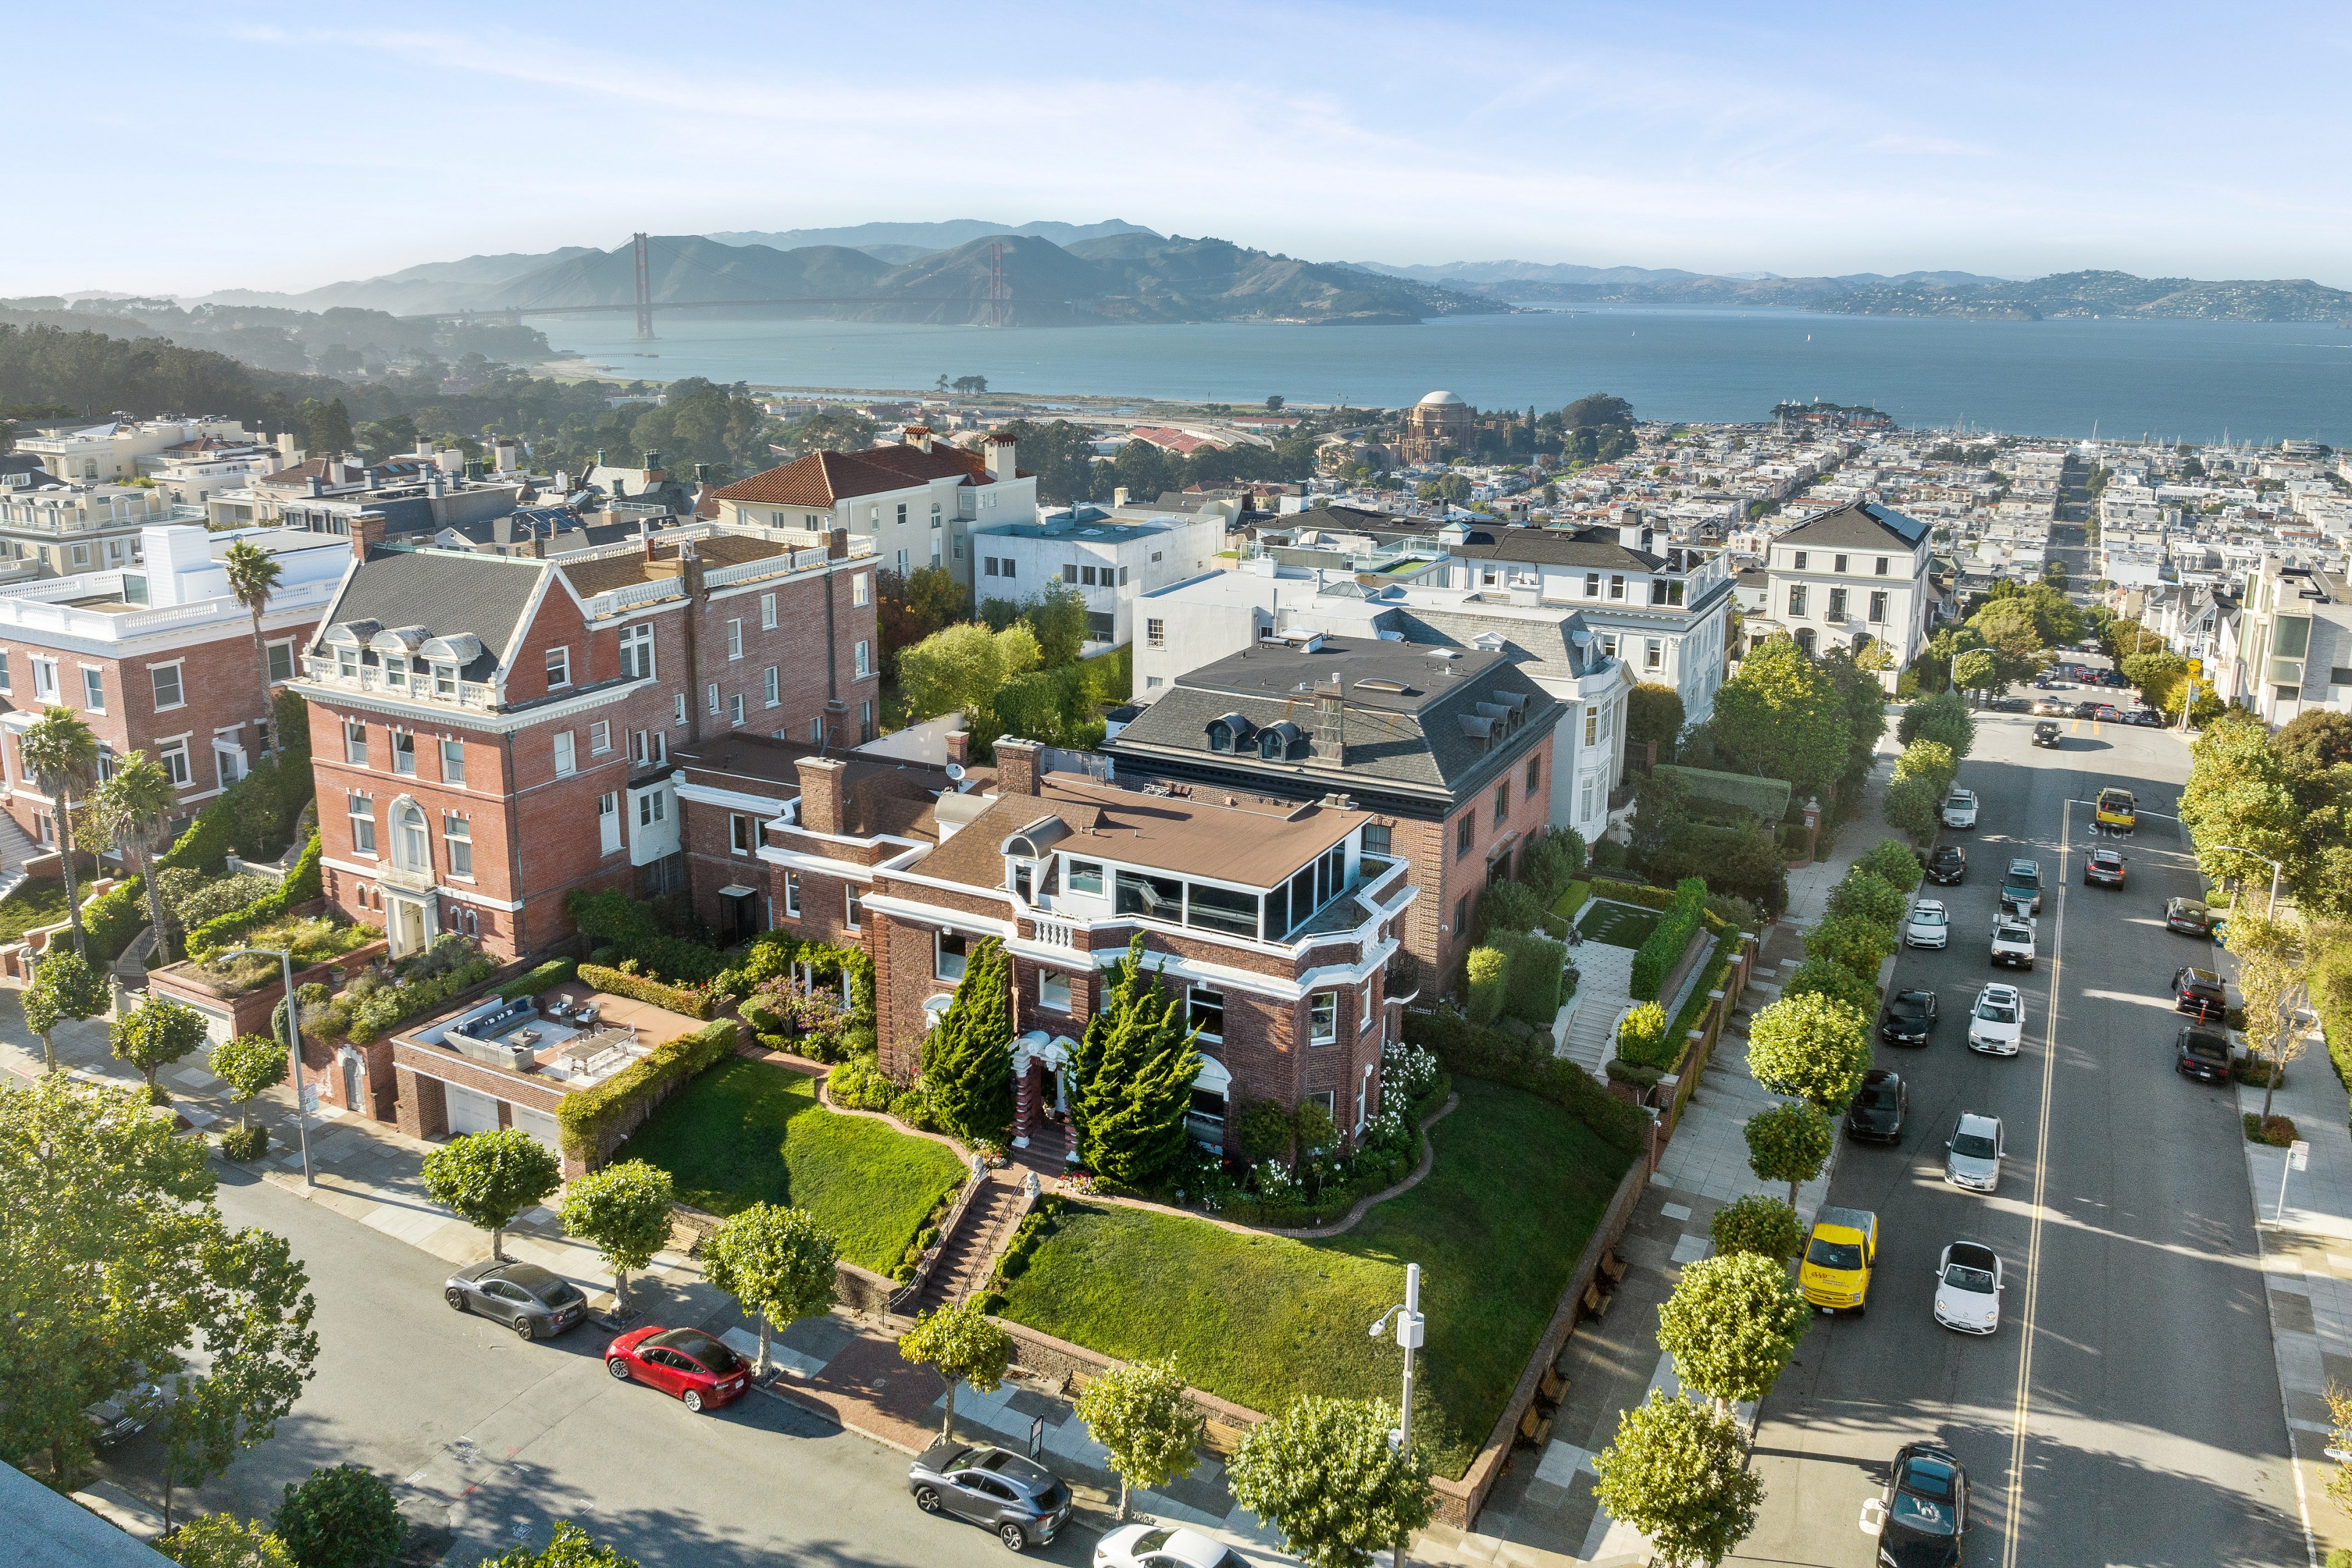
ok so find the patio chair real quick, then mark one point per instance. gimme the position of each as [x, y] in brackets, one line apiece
[556, 1008]
[587, 1014]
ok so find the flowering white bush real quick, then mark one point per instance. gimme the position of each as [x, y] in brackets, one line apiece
[1273, 1179]
[1406, 1072]
[1388, 1128]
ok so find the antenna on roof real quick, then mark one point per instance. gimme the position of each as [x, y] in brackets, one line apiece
[955, 772]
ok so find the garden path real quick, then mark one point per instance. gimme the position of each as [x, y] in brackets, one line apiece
[1586, 1028]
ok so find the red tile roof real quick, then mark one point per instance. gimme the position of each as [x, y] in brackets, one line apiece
[820, 478]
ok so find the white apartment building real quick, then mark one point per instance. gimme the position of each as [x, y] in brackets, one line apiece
[2295, 642]
[1663, 609]
[1210, 616]
[1849, 577]
[1109, 565]
[111, 450]
[57, 530]
[918, 500]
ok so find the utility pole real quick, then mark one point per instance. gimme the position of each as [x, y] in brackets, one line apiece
[1410, 1326]
[645, 290]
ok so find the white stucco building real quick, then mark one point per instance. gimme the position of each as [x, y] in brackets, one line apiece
[1855, 576]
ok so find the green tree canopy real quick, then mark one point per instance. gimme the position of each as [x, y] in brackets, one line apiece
[961, 668]
[1891, 861]
[1781, 717]
[965, 1347]
[1136, 1069]
[778, 1263]
[1322, 1473]
[63, 986]
[1140, 1413]
[1789, 1143]
[251, 1065]
[60, 754]
[341, 1517]
[624, 1212]
[1731, 1325]
[155, 1034]
[1678, 1472]
[1827, 977]
[572, 1547]
[1861, 945]
[487, 1178]
[968, 1060]
[1654, 712]
[225, 1541]
[1754, 1222]
[1812, 1047]
[1943, 717]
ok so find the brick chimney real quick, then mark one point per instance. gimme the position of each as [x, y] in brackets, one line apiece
[959, 744]
[821, 793]
[1020, 766]
[837, 545]
[691, 568]
[367, 533]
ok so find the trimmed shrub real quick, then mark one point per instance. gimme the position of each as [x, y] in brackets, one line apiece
[244, 1142]
[1641, 1038]
[1892, 861]
[1657, 956]
[1827, 977]
[1866, 897]
[694, 1003]
[546, 977]
[1861, 945]
[1551, 862]
[1531, 993]
[303, 884]
[860, 1086]
[1509, 907]
[592, 1115]
[1489, 972]
[1742, 862]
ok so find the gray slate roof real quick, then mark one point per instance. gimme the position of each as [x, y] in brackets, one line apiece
[1863, 525]
[1411, 739]
[447, 594]
[1593, 548]
[1547, 647]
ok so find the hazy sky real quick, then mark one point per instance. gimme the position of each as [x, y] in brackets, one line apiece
[182, 148]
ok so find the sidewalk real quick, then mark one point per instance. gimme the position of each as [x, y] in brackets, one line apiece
[834, 1365]
[2306, 1263]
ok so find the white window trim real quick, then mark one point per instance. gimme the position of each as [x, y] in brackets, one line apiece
[178, 680]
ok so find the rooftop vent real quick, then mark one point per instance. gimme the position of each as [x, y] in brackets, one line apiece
[1393, 687]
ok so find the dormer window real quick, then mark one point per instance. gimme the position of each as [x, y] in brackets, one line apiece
[347, 663]
[1230, 733]
[1281, 743]
[395, 672]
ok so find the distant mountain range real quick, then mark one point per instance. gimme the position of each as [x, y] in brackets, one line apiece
[1926, 293]
[908, 240]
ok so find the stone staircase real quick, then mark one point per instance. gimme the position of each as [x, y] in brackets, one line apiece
[16, 846]
[965, 1262]
[1605, 972]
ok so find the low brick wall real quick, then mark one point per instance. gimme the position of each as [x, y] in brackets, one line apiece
[861, 1290]
[249, 1014]
[1071, 1367]
[1701, 1045]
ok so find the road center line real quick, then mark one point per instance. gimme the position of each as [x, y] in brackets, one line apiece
[2033, 1236]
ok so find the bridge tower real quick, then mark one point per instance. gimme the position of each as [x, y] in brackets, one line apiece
[644, 290]
[996, 301]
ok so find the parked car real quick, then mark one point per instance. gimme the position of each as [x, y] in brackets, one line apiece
[1972, 1156]
[2086, 709]
[2022, 885]
[122, 1415]
[2104, 869]
[1930, 924]
[1996, 1022]
[1948, 866]
[2008, 705]
[2012, 944]
[1157, 1546]
[2147, 718]
[1968, 1288]
[2200, 992]
[1960, 809]
[526, 1298]
[2046, 734]
[703, 1371]
[1880, 1108]
[1910, 1018]
[2187, 917]
[1019, 1500]
[2049, 707]
[2201, 1054]
[1839, 1256]
[1922, 1519]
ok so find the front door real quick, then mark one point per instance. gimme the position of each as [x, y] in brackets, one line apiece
[354, 1082]
[407, 932]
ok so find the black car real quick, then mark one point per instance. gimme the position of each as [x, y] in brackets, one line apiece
[2104, 869]
[1910, 1018]
[1879, 1108]
[2147, 718]
[2199, 992]
[2010, 705]
[2046, 733]
[1922, 1519]
[2201, 1054]
[526, 1298]
[1021, 1502]
[1948, 865]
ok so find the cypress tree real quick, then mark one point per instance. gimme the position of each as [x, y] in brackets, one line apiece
[1140, 1063]
[968, 1061]
[1127, 979]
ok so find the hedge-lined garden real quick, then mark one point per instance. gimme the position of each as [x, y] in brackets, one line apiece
[1655, 960]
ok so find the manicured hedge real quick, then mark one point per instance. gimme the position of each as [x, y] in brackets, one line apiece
[1489, 979]
[301, 885]
[588, 1117]
[1531, 993]
[1634, 893]
[637, 988]
[1469, 1051]
[546, 977]
[1657, 956]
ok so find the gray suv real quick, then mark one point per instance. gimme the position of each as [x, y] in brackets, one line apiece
[1018, 1498]
[526, 1298]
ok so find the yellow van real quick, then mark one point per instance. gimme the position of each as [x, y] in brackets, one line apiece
[1839, 1257]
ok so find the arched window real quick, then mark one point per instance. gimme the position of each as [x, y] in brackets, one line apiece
[412, 846]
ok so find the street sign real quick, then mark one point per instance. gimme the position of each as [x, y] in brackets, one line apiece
[2196, 668]
[2298, 1155]
[309, 1099]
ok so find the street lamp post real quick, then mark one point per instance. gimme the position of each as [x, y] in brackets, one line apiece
[1410, 1325]
[2276, 869]
[285, 958]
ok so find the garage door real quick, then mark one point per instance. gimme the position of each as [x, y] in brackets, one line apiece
[471, 1112]
[541, 1128]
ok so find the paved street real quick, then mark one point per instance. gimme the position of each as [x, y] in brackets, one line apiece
[2146, 1427]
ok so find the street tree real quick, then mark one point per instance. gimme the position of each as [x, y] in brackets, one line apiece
[115, 1266]
[255, 1322]
[1865, 895]
[63, 986]
[624, 1212]
[1141, 1413]
[1943, 717]
[1322, 1473]
[1861, 945]
[251, 1065]
[1781, 717]
[1654, 712]
[343, 1517]
[2012, 637]
[964, 1346]
[225, 1541]
[1789, 1143]
[253, 575]
[1756, 1224]
[1677, 1471]
[2274, 990]
[487, 1178]
[968, 1059]
[776, 1262]
[128, 812]
[1890, 860]
[1731, 1325]
[60, 753]
[572, 1547]
[1827, 977]
[155, 1034]
[1978, 670]
[2240, 797]
[1810, 1048]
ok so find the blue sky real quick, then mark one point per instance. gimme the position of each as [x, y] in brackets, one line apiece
[272, 145]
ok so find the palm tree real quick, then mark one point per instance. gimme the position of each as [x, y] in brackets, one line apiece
[126, 813]
[61, 754]
[252, 578]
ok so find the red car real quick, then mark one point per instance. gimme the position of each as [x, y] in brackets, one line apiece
[701, 1371]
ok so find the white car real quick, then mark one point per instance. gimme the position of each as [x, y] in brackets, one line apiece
[1973, 1156]
[1930, 924]
[2013, 942]
[1968, 1288]
[1996, 1022]
[1960, 809]
[1157, 1546]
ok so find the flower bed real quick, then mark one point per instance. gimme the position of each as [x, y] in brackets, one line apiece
[312, 940]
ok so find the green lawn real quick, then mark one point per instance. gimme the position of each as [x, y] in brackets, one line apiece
[749, 1131]
[1619, 925]
[40, 902]
[1517, 1187]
